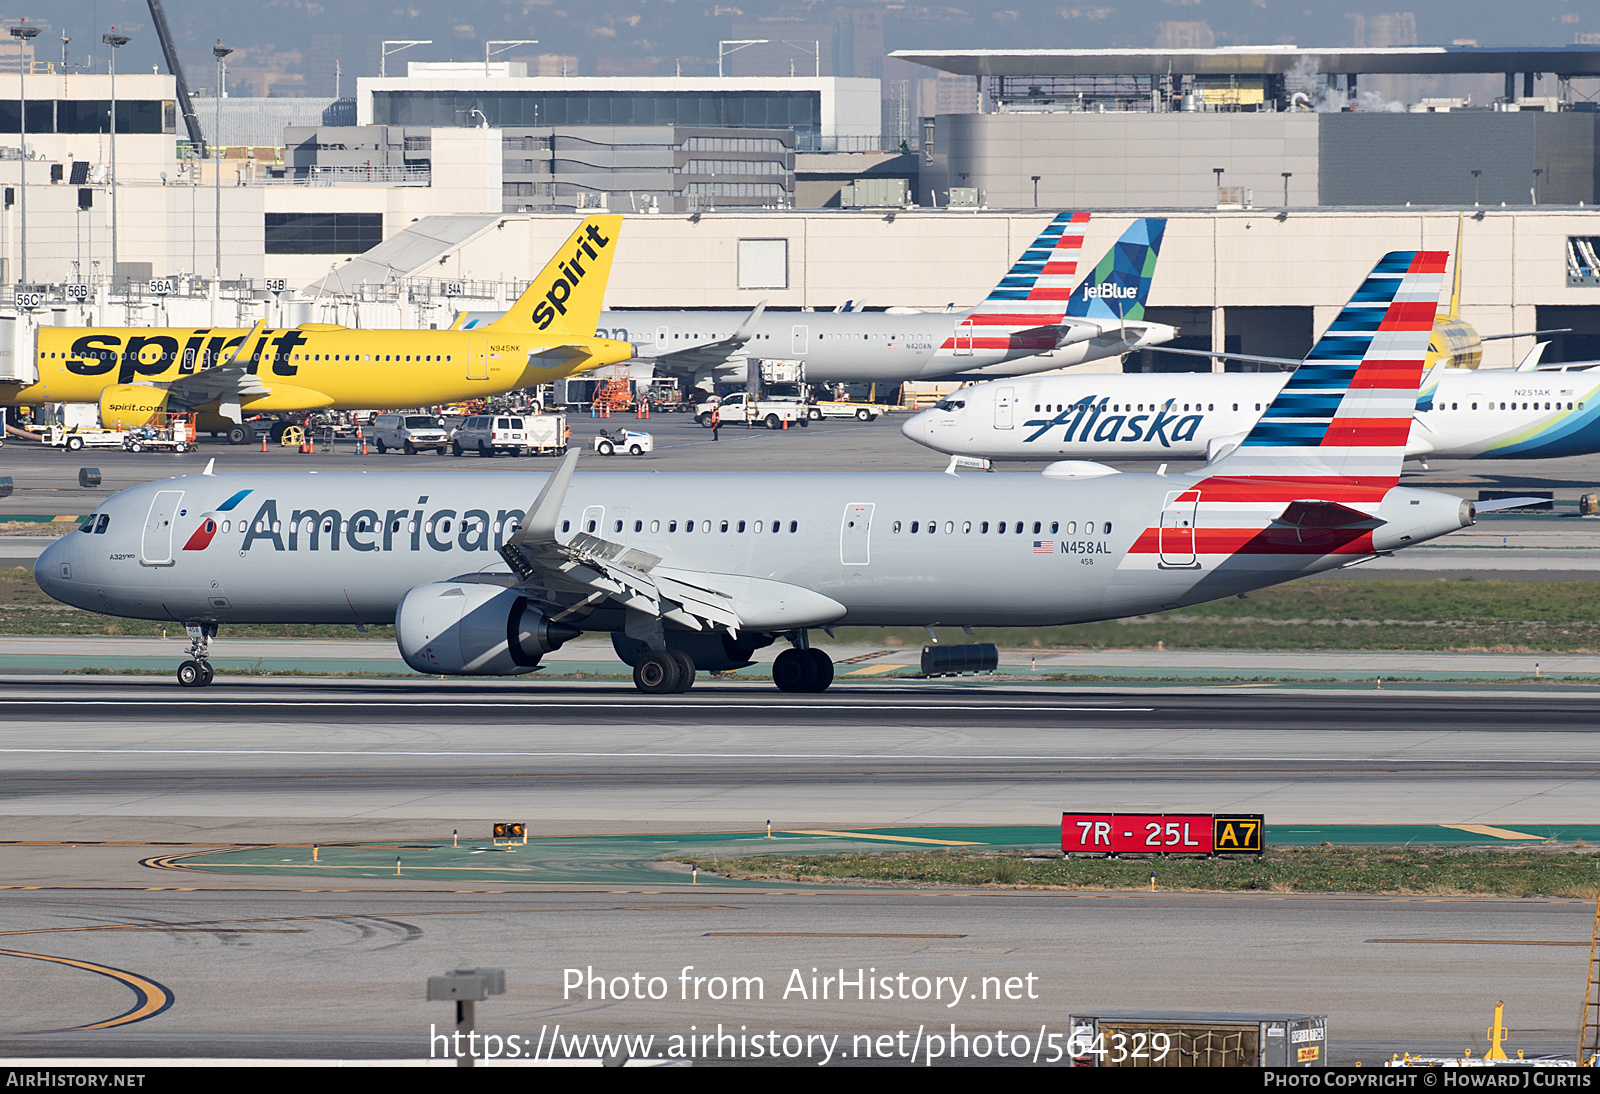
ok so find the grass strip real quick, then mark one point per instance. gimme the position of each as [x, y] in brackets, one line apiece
[1513, 872]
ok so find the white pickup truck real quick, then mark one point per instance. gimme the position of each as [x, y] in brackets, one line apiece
[737, 408]
[863, 412]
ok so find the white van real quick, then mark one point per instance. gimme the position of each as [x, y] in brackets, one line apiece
[522, 434]
[410, 433]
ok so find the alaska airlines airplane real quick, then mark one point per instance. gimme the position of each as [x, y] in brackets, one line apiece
[1458, 414]
[1034, 319]
[133, 373]
[692, 572]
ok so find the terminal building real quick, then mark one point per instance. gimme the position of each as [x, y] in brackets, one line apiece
[411, 213]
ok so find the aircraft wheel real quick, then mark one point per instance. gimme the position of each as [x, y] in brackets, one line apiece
[74, 444]
[210, 673]
[193, 674]
[824, 666]
[686, 670]
[238, 435]
[605, 448]
[657, 673]
[795, 671]
[382, 448]
[636, 450]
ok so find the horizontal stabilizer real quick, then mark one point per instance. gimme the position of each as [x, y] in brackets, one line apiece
[1326, 514]
[1499, 504]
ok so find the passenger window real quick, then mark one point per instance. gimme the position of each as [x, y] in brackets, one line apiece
[566, 526]
[655, 526]
[1072, 527]
[983, 529]
[1055, 526]
[724, 526]
[741, 526]
[618, 527]
[896, 528]
[758, 527]
[705, 526]
[949, 527]
[1036, 527]
[587, 527]
[672, 526]
[794, 526]
[914, 525]
[638, 526]
[1000, 529]
[1108, 527]
[966, 527]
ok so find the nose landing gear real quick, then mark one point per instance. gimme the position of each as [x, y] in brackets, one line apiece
[197, 672]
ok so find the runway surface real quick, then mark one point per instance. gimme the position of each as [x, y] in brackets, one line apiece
[101, 775]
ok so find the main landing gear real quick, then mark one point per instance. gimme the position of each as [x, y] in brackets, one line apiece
[197, 672]
[804, 670]
[664, 672]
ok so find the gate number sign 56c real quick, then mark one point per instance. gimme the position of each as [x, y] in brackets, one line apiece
[1161, 833]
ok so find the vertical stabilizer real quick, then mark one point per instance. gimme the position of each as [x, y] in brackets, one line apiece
[1346, 411]
[1040, 282]
[565, 299]
[1455, 270]
[1117, 288]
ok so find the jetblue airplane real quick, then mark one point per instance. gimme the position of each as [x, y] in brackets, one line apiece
[1458, 414]
[695, 572]
[1035, 319]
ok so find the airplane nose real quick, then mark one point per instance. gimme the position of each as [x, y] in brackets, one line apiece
[53, 564]
[916, 426]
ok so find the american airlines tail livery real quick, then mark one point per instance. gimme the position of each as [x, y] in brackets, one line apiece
[1043, 314]
[1458, 414]
[483, 574]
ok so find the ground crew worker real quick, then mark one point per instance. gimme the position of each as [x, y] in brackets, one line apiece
[716, 422]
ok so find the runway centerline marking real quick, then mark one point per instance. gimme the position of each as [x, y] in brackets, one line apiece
[1476, 942]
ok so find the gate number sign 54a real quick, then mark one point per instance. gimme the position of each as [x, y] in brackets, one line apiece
[1162, 833]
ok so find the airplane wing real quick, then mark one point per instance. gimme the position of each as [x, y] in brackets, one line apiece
[224, 382]
[591, 570]
[710, 355]
[1295, 361]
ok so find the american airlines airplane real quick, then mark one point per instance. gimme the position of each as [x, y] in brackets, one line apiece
[691, 572]
[1038, 317]
[1458, 414]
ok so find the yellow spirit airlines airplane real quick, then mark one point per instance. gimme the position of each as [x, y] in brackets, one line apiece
[134, 373]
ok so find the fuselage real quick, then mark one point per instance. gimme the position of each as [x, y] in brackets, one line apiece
[861, 346]
[1460, 414]
[1016, 550]
[307, 367]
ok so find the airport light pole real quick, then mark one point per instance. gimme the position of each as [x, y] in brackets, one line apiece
[399, 44]
[1036, 179]
[219, 51]
[24, 34]
[1475, 177]
[737, 44]
[1534, 193]
[1287, 175]
[504, 44]
[815, 51]
[115, 41]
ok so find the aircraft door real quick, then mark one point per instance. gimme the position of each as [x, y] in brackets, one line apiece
[855, 534]
[1177, 542]
[155, 547]
[799, 339]
[1005, 403]
[593, 520]
[478, 359]
[964, 338]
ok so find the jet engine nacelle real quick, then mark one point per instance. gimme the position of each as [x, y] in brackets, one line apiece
[463, 628]
[128, 406]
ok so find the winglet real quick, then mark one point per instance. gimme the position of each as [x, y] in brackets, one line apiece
[255, 332]
[748, 327]
[539, 526]
[210, 466]
[1530, 363]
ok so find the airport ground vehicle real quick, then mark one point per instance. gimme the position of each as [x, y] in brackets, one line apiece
[830, 408]
[166, 433]
[518, 434]
[631, 441]
[695, 572]
[740, 408]
[410, 433]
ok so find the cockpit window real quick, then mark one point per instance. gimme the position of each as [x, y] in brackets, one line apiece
[949, 404]
[95, 522]
[88, 523]
[100, 525]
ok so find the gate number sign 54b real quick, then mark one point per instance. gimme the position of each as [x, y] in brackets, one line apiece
[1161, 833]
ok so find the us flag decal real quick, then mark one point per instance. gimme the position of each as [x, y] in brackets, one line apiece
[1043, 547]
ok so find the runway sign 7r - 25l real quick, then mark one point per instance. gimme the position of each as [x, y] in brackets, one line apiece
[1162, 833]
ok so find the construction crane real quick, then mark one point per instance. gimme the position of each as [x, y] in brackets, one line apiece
[170, 51]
